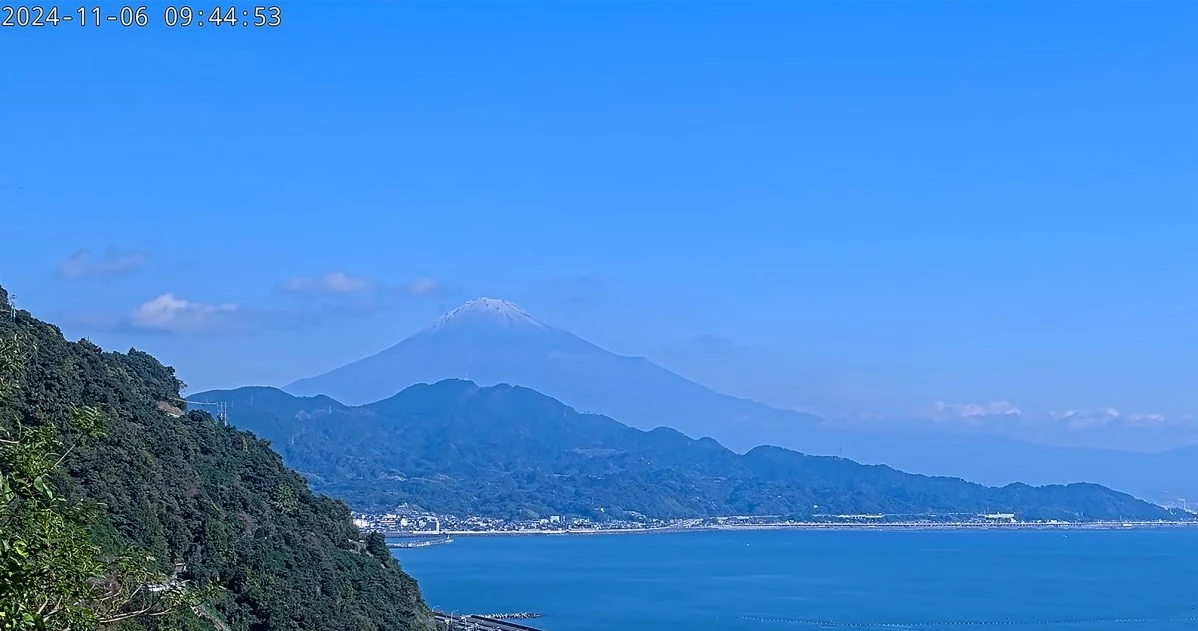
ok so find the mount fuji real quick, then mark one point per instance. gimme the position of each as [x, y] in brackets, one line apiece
[491, 341]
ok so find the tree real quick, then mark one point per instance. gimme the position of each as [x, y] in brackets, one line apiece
[52, 575]
[210, 509]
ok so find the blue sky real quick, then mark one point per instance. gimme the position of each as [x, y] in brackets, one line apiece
[863, 207]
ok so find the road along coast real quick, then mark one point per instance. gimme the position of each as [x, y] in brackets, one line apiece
[913, 526]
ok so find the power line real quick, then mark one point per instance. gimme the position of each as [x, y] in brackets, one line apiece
[222, 409]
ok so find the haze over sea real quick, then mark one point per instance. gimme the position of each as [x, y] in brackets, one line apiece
[764, 580]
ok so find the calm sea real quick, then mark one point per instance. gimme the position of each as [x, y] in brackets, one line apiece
[762, 581]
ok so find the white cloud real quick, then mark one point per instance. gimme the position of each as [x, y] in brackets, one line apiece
[170, 314]
[331, 283]
[423, 287]
[1102, 417]
[974, 412]
[1005, 413]
[343, 284]
[82, 264]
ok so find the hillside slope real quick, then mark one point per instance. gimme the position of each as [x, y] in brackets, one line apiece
[492, 342]
[506, 451]
[184, 489]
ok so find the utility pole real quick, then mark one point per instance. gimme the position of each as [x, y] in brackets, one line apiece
[222, 409]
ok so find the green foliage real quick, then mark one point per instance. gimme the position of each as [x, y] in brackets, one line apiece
[47, 564]
[52, 576]
[511, 452]
[204, 505]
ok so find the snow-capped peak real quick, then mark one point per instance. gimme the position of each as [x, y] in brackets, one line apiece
[489, 311]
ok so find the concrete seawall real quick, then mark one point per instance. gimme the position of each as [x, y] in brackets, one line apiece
[468, 622]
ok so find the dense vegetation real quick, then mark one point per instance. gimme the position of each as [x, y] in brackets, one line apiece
[209, 506]
[504, 451]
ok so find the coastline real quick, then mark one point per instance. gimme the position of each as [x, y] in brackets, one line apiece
[898, 526]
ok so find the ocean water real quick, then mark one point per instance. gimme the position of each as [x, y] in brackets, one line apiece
[774, 580]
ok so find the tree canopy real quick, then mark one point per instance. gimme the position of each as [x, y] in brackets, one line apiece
[155, 502]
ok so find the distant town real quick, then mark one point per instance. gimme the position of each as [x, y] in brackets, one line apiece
[407, 521]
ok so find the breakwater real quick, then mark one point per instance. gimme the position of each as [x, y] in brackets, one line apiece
[519, 615]
[464, 622]
[423, 543]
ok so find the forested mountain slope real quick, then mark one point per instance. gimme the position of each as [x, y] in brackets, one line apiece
[505, 451]
[491, 342]
[180, 488]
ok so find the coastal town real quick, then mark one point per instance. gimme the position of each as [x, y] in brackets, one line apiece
[406, 521]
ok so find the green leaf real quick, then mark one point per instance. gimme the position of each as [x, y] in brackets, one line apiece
[39, 483]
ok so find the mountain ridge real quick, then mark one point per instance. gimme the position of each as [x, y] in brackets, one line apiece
[459, 448]
[639, 392]
[549, 360]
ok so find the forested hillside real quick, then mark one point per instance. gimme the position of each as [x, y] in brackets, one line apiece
[506, 451]
[206, 504]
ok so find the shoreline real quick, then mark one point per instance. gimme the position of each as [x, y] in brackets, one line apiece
[912, 526]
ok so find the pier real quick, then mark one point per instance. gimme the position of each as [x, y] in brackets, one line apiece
[475, 622]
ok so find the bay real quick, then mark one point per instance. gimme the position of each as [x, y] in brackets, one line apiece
[766, 580]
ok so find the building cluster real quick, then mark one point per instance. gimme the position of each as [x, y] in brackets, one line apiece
[405, 519]
[410, 520]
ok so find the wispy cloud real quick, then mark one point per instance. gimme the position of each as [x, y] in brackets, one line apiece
[170, 314]
[341, 283]
[974, 412]
[331, 283]
[425, 286]
[1006, 413]
[114, 262]
[1104, 417]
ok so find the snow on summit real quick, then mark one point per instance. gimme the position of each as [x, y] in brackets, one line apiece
[489, 312]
